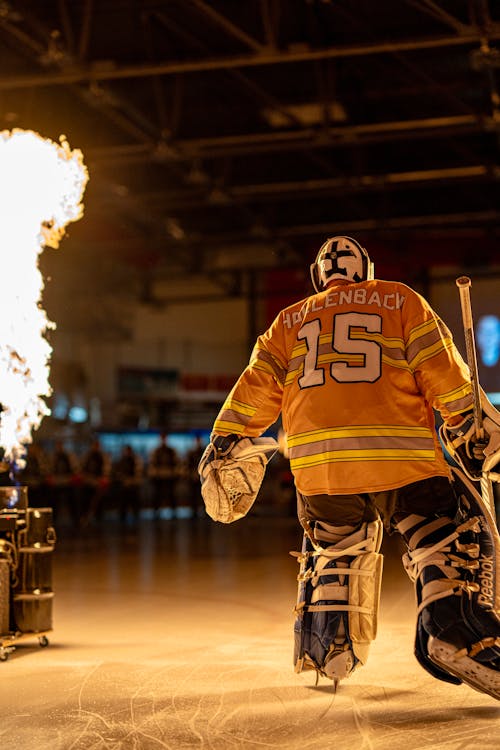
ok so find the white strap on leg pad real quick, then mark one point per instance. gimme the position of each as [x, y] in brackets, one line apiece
[230, 484]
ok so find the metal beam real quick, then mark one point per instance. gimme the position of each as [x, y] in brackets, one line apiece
[86, 23]
[227, 25]
[101, 71]
[485, 220]
[276, 190]
[296, 189]
[69, 36]
[269, 23]
[290, 140]
[331, 137]
[466, 218]
[436, 11]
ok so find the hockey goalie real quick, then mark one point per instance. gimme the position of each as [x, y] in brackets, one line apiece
[357, 371]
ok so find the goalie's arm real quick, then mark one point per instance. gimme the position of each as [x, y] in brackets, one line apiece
[234, 462]
[255, 401]
[253, 404]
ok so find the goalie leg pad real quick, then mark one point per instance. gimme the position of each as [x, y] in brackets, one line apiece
[454, 564]
[338, 597]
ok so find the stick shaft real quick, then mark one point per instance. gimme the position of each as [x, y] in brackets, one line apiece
[464, 284]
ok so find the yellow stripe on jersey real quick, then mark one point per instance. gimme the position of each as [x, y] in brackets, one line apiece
[352, 360]
[240, 407]
[392, 343]
[361, 455]
[233, 417]
[393, 351]
[427, 340]
[428, 351]
[224, 427]
[265, 362]
[456, 392]
[356, 431]
[259, 364]
[421, 330]
[458, 400]
[402, 365]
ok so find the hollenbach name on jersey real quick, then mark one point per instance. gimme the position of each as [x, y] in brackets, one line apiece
[344, 297]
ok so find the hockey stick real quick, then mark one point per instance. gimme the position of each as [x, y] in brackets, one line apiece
[464, 285]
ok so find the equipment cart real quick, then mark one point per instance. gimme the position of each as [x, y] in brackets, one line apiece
[27, 541]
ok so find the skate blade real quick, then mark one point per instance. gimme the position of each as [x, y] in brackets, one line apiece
[304, 664]
[476, 675]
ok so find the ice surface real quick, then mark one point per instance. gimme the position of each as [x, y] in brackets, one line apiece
[178, 634]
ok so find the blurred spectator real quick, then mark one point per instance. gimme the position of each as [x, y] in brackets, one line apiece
[192, 460]
[34, 475]
[163, 473]
[95, 469]
[127, 479]
[63, 480]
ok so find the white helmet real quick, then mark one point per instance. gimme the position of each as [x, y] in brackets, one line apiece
[340, 258]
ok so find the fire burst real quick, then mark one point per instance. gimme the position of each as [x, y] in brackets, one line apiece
[41, 188]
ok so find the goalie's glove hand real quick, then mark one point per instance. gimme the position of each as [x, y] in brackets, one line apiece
[462, 444]
[231, 470]
[219, 447]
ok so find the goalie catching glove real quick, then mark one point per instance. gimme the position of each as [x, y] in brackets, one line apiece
[474, 455]
[231, 472]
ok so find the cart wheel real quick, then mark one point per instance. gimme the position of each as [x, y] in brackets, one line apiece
[4, 655]
[43, 641]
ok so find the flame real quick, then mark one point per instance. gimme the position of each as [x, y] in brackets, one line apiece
[41, 188]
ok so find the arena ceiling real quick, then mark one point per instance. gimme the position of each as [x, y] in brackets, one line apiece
[224, 137]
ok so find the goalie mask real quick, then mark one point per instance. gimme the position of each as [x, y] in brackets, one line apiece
[340, 258]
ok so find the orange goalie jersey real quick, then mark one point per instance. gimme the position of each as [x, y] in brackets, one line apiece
[356, 371]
